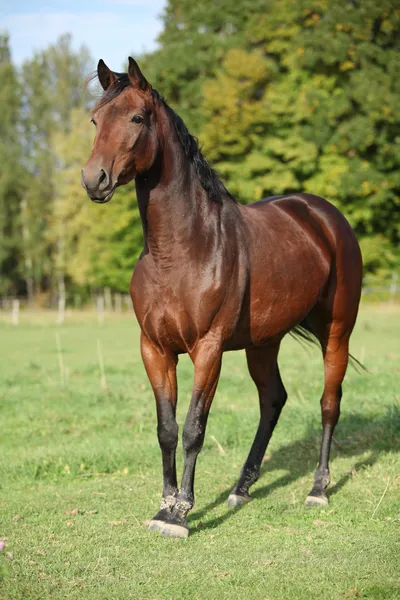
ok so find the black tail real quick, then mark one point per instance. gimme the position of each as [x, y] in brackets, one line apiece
[303, 332]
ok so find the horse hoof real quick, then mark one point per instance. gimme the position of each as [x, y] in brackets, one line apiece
[316, 501]
[236, 500]
[173, 530]
[155, 525]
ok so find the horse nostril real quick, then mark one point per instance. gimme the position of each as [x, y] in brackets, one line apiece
[104, 180]
[96, 181]
[103, 176]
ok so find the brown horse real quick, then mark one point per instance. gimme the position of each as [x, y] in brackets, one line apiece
[215, 275]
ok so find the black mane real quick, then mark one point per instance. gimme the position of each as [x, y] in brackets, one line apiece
[206, 174]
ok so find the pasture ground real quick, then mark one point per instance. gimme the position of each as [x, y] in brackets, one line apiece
[80, 471]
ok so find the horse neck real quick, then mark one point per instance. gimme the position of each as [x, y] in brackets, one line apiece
[174, 207]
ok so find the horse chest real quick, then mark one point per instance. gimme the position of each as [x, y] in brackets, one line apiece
[175, 317]
[168, 323]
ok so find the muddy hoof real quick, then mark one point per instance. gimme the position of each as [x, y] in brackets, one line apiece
[173, 530]
[155, 525]
[317, 500]
[237, 500]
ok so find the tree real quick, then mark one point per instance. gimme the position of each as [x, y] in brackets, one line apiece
[193, 43]
[316, 109]
[286, 96]
[53, 86]
[11, 172]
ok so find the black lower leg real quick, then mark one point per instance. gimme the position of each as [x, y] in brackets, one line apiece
[330, 416]
[271, 403]
[193, 438]
[207, 361]
[168, 439]
[321, 477]
[251, 469]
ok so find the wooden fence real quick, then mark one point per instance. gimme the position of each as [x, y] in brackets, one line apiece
[386, 290]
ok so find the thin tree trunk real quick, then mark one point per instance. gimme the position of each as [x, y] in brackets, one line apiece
[30, 289]
[61, 299]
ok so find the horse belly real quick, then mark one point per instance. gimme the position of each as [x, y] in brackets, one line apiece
[278, 299]
[272, 317]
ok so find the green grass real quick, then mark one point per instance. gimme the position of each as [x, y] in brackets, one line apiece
[80, 471]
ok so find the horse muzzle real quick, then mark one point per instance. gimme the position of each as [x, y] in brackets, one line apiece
[97, 184]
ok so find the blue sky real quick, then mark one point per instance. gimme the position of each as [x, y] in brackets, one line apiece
[112, 29]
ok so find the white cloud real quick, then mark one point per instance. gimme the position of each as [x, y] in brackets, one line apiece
[108, 35]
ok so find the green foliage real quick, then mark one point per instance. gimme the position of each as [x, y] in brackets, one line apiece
[11, 170]
[378, 255]
[53, 86]
[195, 39]
[286, 96]
[113, 243]
[310, 102]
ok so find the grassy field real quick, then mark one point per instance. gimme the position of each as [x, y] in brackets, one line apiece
[80, 471]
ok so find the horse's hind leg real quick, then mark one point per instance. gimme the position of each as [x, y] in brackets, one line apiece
[336, 355]
[263, 367]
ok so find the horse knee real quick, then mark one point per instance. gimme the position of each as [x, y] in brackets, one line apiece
[330, 407]
[193, 436]
[168, 435]
[330, 416]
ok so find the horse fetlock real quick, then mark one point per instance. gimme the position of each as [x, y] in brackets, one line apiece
[317, 496]
[167, 502]
[322, 479]
[248, 477]
[171, 519]
[181, 509]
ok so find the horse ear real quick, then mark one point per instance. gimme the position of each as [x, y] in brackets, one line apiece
[136, 76]
[105, 75]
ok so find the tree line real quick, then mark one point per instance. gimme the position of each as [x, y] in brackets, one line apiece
[284, 96]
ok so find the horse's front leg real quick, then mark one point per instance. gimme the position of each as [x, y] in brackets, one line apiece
[207, 359]
[161, 371]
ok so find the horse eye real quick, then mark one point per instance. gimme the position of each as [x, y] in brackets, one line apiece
[137, 119]
[93, 121]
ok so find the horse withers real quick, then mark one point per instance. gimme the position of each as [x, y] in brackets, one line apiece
[215, 276]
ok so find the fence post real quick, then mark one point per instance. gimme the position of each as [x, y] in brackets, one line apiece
[61, 309]
[15, 312]
[100, 308]
[108, 299]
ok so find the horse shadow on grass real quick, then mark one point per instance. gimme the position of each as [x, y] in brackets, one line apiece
[356, 435]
